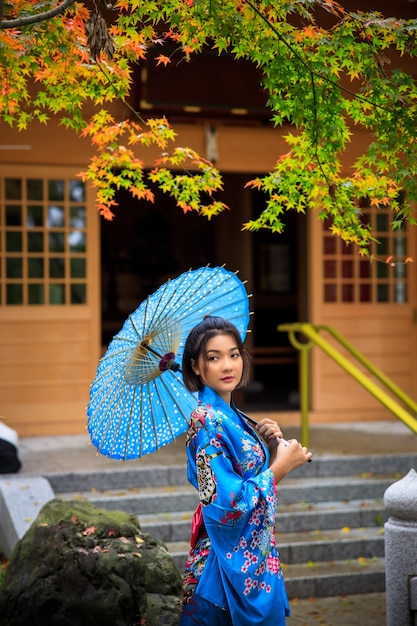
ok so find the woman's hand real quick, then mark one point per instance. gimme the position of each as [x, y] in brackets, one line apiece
[285, 456]
[288, 457]
[269, 431]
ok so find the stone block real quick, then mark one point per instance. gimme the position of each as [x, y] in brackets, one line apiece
[21, 499]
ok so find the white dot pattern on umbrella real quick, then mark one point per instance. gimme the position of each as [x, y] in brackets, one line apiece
[138, 403]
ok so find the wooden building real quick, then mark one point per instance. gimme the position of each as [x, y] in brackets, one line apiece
[68, 279]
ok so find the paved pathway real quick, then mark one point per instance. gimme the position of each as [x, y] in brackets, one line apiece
[73, 452]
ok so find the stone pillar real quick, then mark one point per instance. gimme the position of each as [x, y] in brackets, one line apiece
[400, 500]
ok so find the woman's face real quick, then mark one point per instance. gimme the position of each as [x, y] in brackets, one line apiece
[221, 366]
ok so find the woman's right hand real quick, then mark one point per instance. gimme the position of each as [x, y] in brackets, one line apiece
[288, 457]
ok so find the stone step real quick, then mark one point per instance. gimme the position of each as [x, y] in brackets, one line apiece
[331, 545]
[140, 501]
[334, 578]
[183, 497]
[311, 547]
[329, 488]
[330, 516]
[355, 574]
[175, 525]
[121, 477]
[125, 477]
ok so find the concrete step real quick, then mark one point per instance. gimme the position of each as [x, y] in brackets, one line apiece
[311, 547]
[140, 501]
[334, 578]
[175, 525]
[122, 477]
[125, 477]
[331, 545]
[362, 572]
[183, 497]
[330, 516]
[331, 488]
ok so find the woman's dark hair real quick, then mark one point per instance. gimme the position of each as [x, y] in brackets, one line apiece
[195, 346]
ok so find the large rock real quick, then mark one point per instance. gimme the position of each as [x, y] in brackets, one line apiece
[79, 565]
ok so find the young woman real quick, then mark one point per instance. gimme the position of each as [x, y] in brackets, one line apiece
[232, 575]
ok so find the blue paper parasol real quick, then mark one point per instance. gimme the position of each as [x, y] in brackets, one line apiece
[138, 402]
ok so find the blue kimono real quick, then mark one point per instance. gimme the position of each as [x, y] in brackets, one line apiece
[233, 563]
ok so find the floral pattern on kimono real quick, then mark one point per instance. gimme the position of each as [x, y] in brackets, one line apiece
[233, 561]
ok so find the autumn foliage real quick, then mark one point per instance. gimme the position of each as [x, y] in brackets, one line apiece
[327, 72]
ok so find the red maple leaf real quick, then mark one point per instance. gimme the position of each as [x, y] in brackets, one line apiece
[162, 59]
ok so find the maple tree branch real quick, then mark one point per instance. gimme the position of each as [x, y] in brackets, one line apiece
[312, 75]
[310, 70]
[133, 110]
[33, 19]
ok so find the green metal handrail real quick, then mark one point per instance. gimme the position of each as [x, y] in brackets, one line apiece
[311, 333]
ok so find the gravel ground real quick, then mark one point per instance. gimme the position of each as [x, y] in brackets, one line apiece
[356, 610]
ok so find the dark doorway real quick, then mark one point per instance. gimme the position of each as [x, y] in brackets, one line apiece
[142, 247]
[277, 288]
[146, 244]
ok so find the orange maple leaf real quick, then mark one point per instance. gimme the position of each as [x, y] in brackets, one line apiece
[384, 200]
[142, 193]
[255, 183]
[334, 7]
[89, 531]
[163, 59]
[309, 32]
[105, 211]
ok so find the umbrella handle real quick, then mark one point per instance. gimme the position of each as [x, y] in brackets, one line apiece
[279, 439]
[167, 361]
